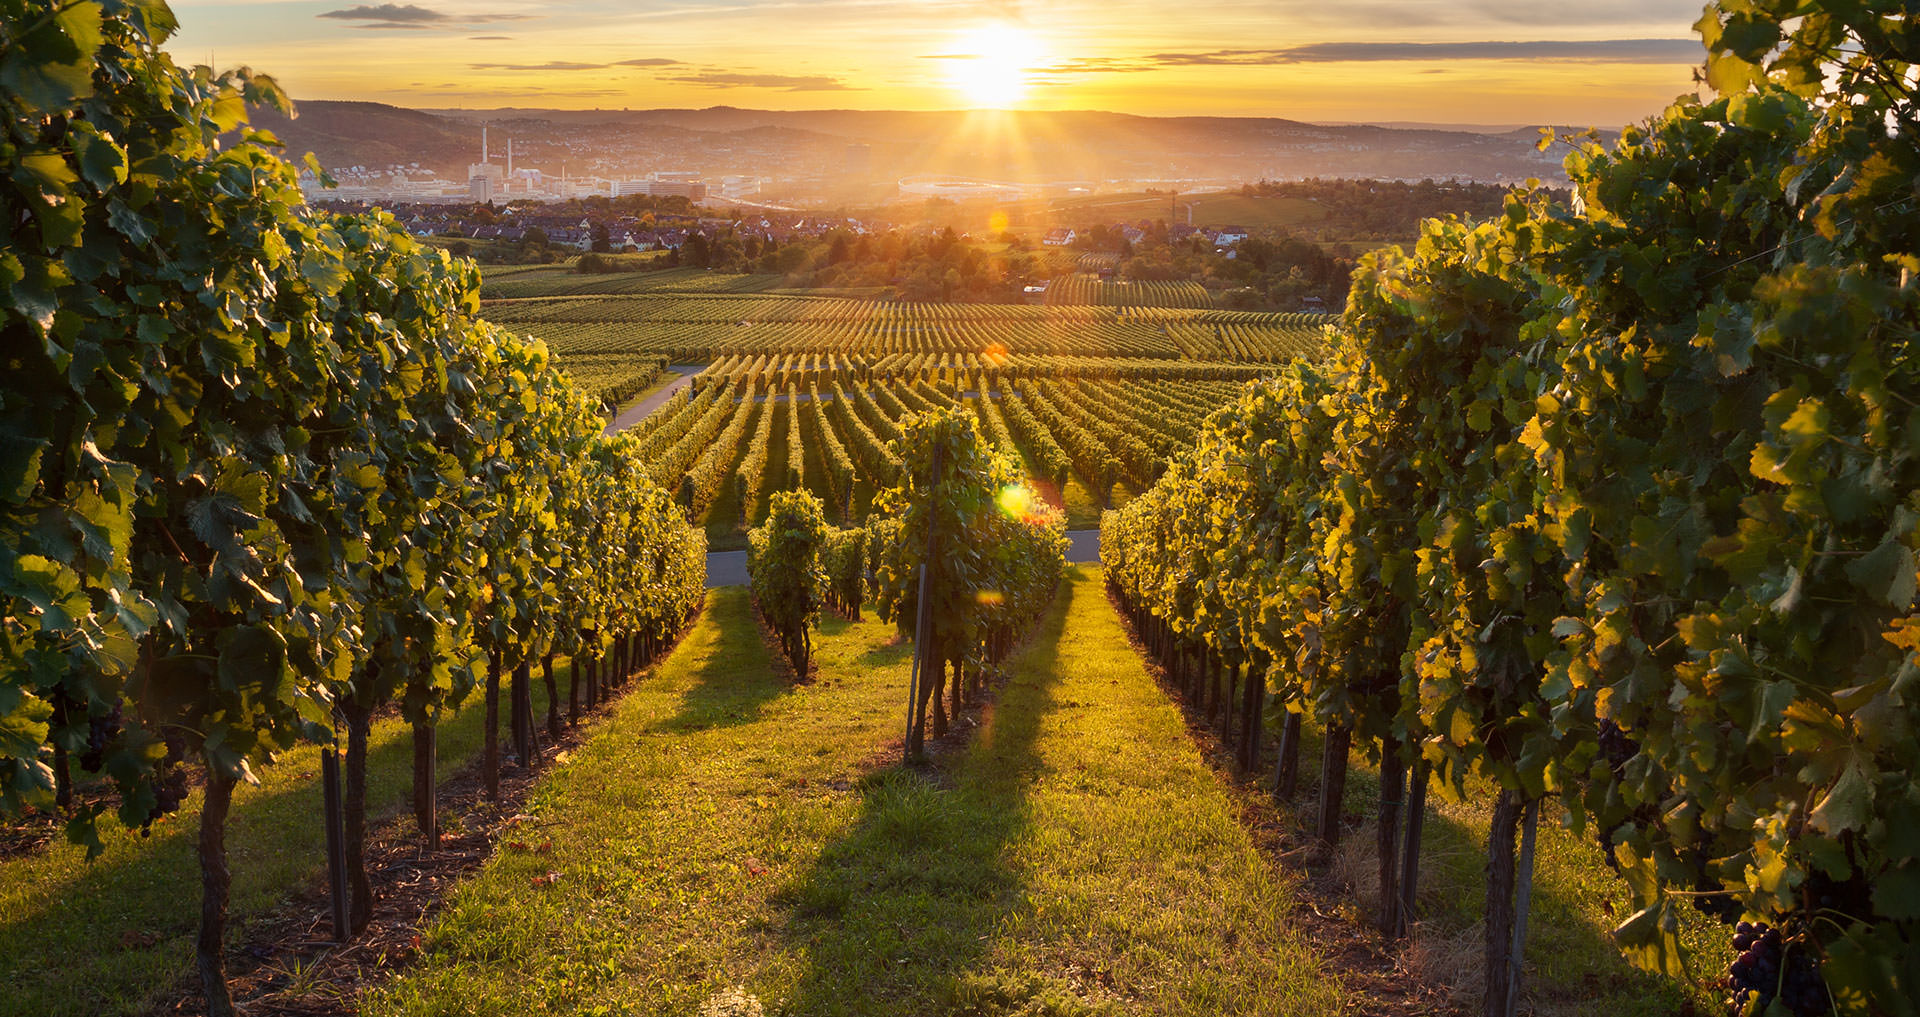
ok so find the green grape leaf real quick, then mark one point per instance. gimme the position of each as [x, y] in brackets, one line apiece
[251, 656]
[1848, 805]
[102, 162]
[1650, 939]
[52, 65]
[1886, 573]
[19, 464]
[1896, 893]
[23, 722]
[1748, 37]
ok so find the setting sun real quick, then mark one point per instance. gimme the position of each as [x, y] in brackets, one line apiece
[992, 65]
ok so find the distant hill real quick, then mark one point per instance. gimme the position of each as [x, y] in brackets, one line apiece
[373, 134]
[1025, 146]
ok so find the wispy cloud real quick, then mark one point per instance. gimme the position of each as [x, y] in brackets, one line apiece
[570, 65]
[399, 14]
[1397, 16]
[1580, 12]
[783, 82]
[1630, 51]
[551, 65]
[1097, 65]
[410, 16]
[1606, 50]
[1634, 51]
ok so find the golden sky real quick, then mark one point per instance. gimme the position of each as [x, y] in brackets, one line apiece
[1436, 61]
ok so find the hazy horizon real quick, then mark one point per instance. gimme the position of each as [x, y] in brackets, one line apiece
[1416, 61]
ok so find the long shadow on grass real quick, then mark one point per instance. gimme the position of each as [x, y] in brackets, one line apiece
[122, 929]
[1573, 965]
[897, 914]
[737, 680]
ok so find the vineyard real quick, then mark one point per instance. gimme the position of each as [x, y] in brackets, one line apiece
[954, 521]
[744, 430]
[518, 281]
[695, 327]
[265, 514]
[1541, 636]
[1612, 514]
[807, 391]
[1081, 288]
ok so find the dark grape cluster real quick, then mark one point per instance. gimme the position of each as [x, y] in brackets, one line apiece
[168, 791]
[1614, 744]
[1771, 963]
[102, 729]
[170, 782]
[1616, 748]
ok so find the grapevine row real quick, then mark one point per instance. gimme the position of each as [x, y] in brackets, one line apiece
[950, 497]
[1638, 541]
[342, 492]
[750, 477]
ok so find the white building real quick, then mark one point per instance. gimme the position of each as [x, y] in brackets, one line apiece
[485, 180]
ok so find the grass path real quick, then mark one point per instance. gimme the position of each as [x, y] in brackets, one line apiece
[724, 828]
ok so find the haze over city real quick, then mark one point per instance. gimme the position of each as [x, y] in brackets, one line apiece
[1425, 61]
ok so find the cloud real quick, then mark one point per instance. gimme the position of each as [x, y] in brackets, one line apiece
[398, 14]
[569, 65]
[1361, 16]
[410, 16]
[1626, 51]
[554, 65]
[1095, 65]
[1572, 12]
[784, 82]
[492, 38]
[1619, 51]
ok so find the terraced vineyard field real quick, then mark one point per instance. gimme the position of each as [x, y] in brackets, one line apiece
[1082, 288]
[729, 441]
[614, 341]
[515, 281]
[808, 389]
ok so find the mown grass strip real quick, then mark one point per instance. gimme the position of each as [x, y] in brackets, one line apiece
[726, 829]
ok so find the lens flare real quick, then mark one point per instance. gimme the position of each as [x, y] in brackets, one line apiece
[1015, 500]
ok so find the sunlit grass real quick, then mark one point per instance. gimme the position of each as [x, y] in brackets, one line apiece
[725, 828]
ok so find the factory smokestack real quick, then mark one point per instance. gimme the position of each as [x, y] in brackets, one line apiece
[483, 142]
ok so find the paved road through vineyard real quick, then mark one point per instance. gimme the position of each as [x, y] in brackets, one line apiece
[638, 411]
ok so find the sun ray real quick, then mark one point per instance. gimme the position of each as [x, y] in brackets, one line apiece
[993, 65]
